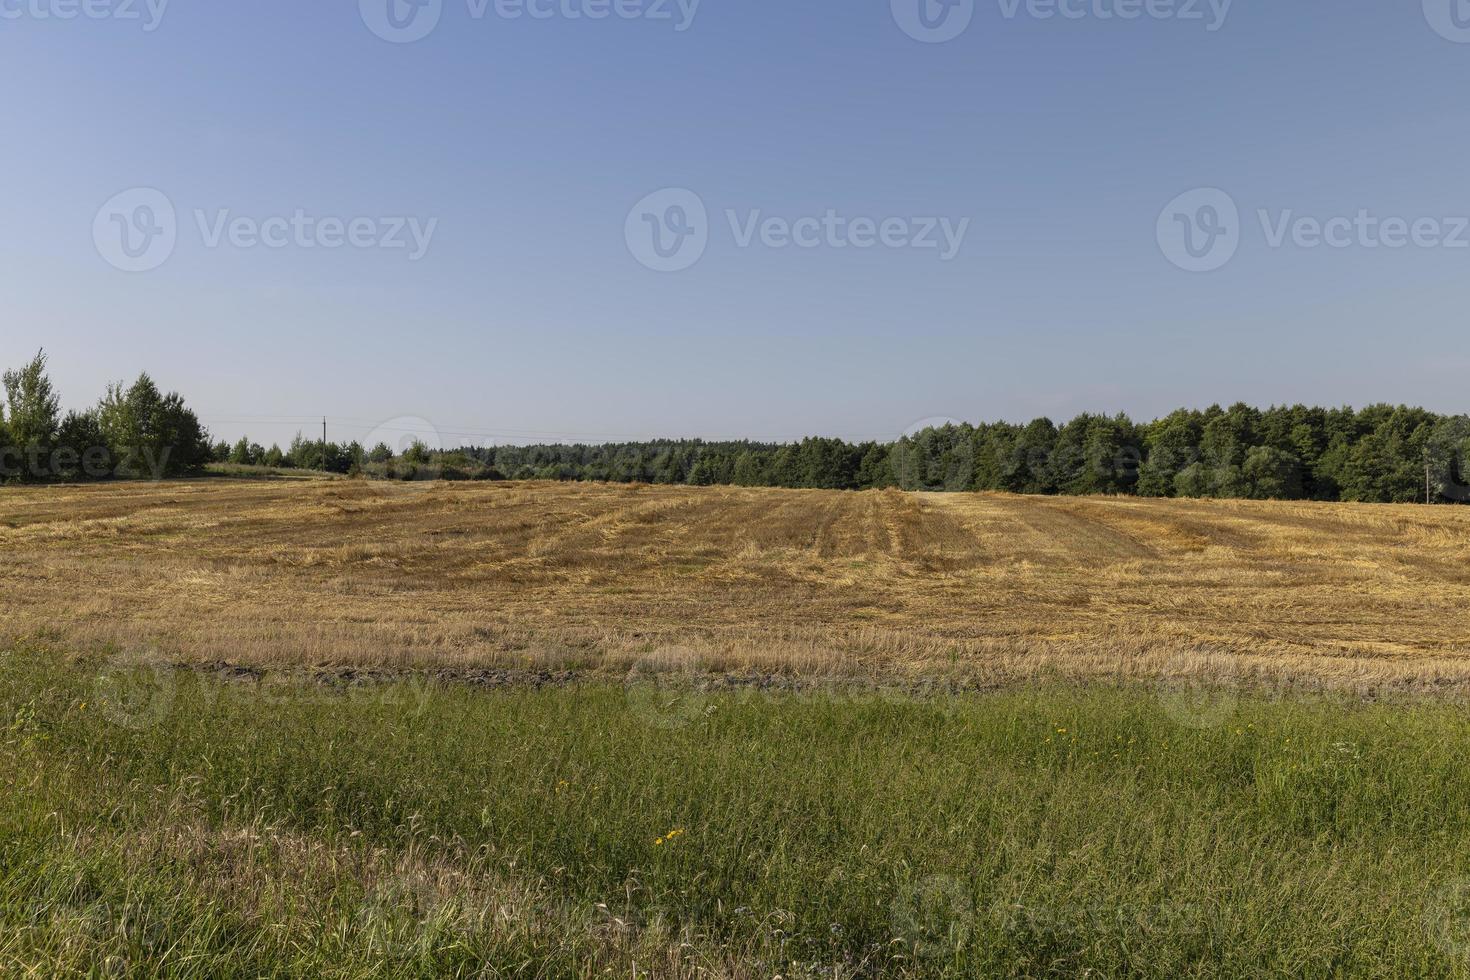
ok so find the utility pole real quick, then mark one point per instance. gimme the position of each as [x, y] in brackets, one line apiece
[1427, 499]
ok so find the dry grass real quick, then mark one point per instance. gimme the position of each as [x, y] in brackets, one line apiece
[586, 576]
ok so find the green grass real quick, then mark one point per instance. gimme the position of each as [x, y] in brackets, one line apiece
[243, 471]
[154, 823]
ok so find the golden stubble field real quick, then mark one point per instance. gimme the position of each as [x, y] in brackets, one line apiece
[985, 588]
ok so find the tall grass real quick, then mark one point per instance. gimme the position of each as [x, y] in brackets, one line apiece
[155, 823]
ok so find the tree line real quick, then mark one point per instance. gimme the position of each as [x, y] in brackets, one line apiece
[1382, 453]
[134, 431]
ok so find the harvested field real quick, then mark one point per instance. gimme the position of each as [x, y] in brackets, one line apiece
[686, 770]
[591, 577]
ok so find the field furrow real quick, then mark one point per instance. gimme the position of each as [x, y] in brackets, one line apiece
[346, 572]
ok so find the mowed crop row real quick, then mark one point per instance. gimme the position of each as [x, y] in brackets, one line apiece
[588, 576]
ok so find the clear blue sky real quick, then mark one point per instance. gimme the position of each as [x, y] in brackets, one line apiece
[529, 141]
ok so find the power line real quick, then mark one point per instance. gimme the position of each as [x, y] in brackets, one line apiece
[512, 434]
[370, 426]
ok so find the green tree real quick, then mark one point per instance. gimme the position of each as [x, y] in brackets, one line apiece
[241, 454]
[9, 465]
[35, 416]
[749, 469]
[1195, 480]
[417, 453]
[1272, 474]
[1030, 470]
[151, 434]
[1170, 444]
[81, 450]
[1096, 454]
[1447, 454]
[874, 471]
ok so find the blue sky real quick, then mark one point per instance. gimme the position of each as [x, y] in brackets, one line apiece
[523, 143]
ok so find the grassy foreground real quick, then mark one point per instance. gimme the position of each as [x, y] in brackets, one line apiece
[177, 824]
